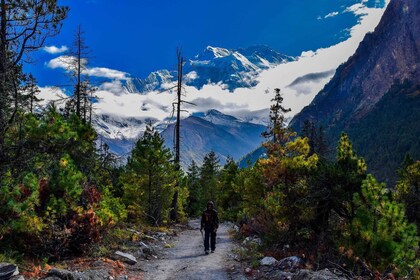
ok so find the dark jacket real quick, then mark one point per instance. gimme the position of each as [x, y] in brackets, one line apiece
[209, 220]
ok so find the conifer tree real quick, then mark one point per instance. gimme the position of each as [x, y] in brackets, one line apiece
[408, 189]
[316, 138]
[195, 200]
[277, 134]
[380, 232]
[149, 179]
[229, 198]
[76, 62]
[208, 176]
[24, 27]
[31, 91]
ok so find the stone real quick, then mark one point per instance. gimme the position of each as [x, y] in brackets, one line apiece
[252, 240]
[127, 258]
[64, 274]
[96, 274]
[324, 274]
[149, 250]
[8, 270]
[150, 237]
[269, 261]
[134, 231]
[291, 263]
[143, 245]
[248, 271]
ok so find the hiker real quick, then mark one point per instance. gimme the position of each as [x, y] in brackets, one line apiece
[210, 223]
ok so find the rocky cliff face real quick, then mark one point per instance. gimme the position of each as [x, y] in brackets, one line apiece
[390, 54]
[374, 96]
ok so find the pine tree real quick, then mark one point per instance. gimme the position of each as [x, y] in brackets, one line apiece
[195, 200]
[277, 134]
[149, 179]
[31, 91]
[380, 232]
[76, 62]
[208, 177]
[407, 189]
[24, 27]
[316, 138]
[229, 198]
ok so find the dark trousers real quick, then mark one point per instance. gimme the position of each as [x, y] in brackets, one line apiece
[209, 235]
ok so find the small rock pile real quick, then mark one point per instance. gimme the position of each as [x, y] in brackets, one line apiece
[289, 268]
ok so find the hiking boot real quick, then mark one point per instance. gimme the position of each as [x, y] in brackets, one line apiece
[212, 251]
[207, 252]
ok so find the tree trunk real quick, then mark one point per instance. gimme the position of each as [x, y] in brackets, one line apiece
[174, 210]
[79, 70]
[3, 73]
[150, 174]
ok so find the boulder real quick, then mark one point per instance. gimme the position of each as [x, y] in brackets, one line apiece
[268, 261]
[7, 271]
[124, 257]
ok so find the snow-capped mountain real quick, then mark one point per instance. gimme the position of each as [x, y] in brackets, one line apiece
[230, 68]
[201, 132]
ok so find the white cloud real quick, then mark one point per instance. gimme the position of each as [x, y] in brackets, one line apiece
[55, 50]
[357, 9]
[106, 73]
[332, 14]
[49, 95]
[60, 62]
[64, 62]
[114, 87]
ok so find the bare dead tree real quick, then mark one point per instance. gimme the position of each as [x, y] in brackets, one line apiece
[174, 208]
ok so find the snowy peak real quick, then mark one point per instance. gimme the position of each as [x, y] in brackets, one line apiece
[217, 117]
[213, 52]
[154, 81]
[230, 68]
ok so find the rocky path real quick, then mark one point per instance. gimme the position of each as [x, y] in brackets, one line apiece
[186, 260]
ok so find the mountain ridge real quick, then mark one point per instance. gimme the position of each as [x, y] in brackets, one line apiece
[386, 59]
[230, 68]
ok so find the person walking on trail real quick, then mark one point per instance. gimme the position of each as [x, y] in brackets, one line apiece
[210, 223]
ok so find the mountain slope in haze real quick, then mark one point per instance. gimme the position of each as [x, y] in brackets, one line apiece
[200, 133]
[382, 75]
[230, 68]
[225, 135]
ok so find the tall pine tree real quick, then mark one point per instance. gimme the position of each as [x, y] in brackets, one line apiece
[208, 177]
[149, 179]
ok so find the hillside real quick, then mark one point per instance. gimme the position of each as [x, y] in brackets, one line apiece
[367, 98]
[225, 135]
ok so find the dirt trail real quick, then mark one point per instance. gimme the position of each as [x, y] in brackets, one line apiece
[187, 259]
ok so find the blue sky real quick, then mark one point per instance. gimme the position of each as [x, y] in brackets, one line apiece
[140, 36]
